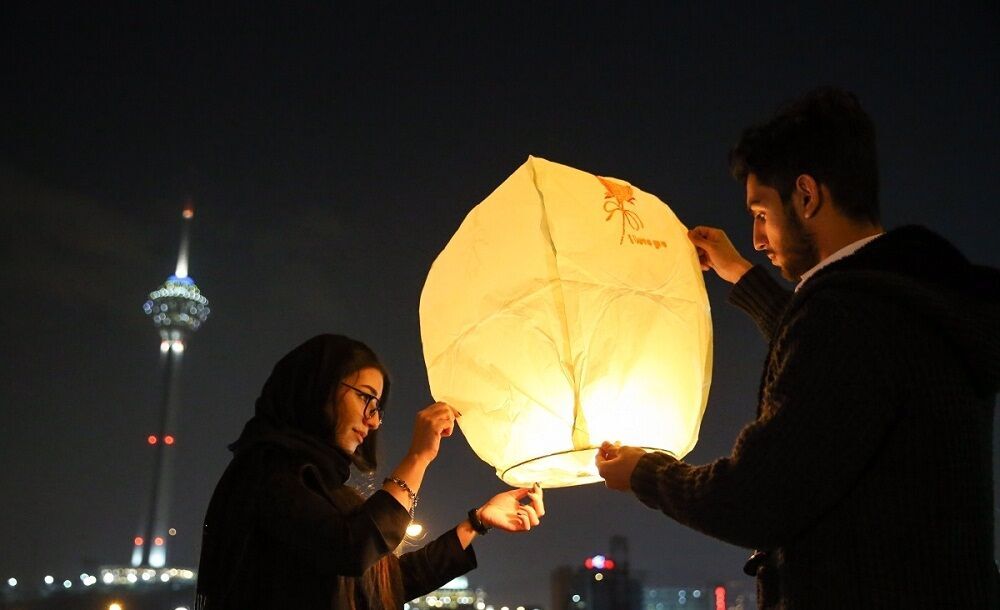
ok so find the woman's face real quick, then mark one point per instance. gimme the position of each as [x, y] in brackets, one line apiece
[349, 404]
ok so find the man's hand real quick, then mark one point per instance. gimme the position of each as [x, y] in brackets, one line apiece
[615, 463]
[715, 251]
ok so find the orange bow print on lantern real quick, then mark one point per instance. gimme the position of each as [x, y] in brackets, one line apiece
[615, 198]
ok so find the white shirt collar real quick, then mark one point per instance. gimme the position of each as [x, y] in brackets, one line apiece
[844, 252]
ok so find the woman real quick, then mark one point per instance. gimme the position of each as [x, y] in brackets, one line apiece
[284, 531]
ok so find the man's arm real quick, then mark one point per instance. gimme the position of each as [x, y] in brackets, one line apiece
[762, 298]
[822, 419]
[754, 290]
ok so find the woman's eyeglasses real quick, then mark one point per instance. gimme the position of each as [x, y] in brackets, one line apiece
[370, 401]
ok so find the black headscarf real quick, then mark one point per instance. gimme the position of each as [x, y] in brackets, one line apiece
[290, 413]
[290, 409]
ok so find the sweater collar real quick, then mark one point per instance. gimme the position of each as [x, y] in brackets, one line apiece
[844, 252]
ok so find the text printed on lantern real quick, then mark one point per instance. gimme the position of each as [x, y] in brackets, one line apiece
[644, 241]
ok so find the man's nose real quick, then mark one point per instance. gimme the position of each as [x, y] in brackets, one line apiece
[759, 239]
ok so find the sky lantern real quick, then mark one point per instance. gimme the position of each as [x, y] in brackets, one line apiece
[568, 309]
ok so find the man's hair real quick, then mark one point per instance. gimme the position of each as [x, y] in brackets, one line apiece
[826, 134]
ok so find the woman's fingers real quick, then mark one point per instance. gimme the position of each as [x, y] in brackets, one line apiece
[441, 418]
[529, 511]
[433, 423]
[444, 426]
[537, 502]
[520, 520]
[446, 422]
[506, 511]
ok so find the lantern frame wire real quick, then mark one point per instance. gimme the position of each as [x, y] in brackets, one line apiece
[567, 451]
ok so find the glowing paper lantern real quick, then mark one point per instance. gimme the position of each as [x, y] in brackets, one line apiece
[566, 310]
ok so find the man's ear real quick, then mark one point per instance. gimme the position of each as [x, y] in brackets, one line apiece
[809, 195]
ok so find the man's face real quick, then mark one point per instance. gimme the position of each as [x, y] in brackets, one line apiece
[778, 231]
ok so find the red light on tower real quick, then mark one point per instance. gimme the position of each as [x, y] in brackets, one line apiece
[720, 598]
[168, 440]
[158, 541]
[138, 541]
[151, 439]
[188, 209]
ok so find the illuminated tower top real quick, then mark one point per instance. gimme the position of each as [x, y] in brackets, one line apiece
[178, 307]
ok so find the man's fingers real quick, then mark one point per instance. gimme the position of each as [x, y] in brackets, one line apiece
[609, 449]
[705, 260]
[700, 234]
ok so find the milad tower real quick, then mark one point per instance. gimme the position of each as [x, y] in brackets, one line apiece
[177, 309]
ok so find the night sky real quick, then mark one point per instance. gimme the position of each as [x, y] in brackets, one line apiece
[331, 153]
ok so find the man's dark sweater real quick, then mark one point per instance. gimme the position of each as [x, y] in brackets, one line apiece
[867, 475]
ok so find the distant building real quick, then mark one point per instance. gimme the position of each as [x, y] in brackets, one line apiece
[458, 594]
[607, 582]
[455, 594]
[683, 598]
[736, 595]
[741, 594]
[600, 582]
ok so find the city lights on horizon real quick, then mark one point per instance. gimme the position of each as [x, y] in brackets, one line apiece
[458, 590]
[118, 575]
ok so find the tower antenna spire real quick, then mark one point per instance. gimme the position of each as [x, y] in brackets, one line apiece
[182, 255]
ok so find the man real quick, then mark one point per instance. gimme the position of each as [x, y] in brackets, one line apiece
[866, 478]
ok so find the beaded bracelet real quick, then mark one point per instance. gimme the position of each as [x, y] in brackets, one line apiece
[409, 492]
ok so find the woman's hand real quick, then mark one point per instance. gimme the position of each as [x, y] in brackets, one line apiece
[715, 251]
[505, 511]
[432, 423]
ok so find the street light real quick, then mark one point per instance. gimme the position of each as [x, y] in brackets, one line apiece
[415, 532]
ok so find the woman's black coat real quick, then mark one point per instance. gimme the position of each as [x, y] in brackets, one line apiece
[283, 530]
[283, 533]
